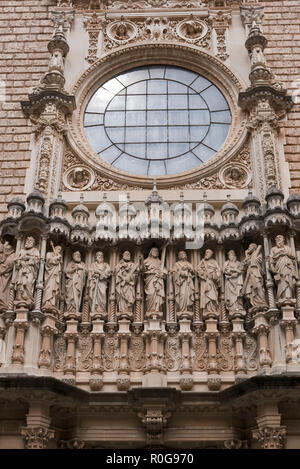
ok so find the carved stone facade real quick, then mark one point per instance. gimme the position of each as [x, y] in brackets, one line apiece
[138, 295]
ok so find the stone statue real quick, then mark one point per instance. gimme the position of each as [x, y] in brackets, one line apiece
[7, 259]
[210, 276]
[126, 278]
[233, 271]
[75, 279]
[27, 264]
[121, 33]
[183, 275]
[99, 274]
[154, 275]
[253, 287]
[53, 270]
[282, 264]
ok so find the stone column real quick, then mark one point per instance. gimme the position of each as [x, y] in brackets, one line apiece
[186, 379]
[293, 247]
[48, 330]
[96, 380]
[71, 335]
[37, 432]
[123, 379]
[239, 334]
[214, 380]
[261, 328]
[21, 325]
[270, 434]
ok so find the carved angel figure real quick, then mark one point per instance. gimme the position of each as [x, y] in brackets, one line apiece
[7, 259]
[233, 271]
[99, 274]
[210, 275]
[126, 278]
[183, 275]
[253, 287]
[75, 279]
[53, 269]
[154, 275]
[27, 264]
[282, 264]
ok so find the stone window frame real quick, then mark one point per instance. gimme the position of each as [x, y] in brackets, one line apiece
[167, 54]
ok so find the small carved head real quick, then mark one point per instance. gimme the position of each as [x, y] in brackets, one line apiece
[182, 256]
[77, 256]
[99, 256]
[232, 255]
[252, 247]
[208, 254]
[279, 240]
[154, 253]
[29, 242]
[126, 256]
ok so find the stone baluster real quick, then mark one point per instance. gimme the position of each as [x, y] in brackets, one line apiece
[211, 333]
[239, 334]
[123, 379]
[186, 379]
[96, 380]
[71, 335]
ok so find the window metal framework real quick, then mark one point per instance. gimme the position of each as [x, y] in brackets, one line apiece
[157, 120]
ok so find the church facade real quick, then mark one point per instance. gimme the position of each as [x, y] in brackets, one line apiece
[150, 224]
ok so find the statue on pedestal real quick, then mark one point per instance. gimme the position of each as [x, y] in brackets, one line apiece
[7, 258]
[183, 275]
[27, 264]
[154, 275]
[253, 288]
[126, 278]
[282, 265]
[233, 271]
[53, 270]
[210, 276]
[75, 279]
[99, 274]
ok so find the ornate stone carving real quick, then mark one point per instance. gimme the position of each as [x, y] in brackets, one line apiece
[75, 279]
[60, 351]
[282, 264]
[53, 271]
[7, 259]
[251, 352]
[271, 437]
[37, 437]
[253, 288]
[27, 264]
[93, 26]
[235, 176]
[172, 349]
[210, 276]
[126, 278]
[225, 356]
[233, 271]
[79, 178]
[85, 346]
[193, 30]
[110, 351]
[99, 274]
[154, 275]
[183, 275]
[136, 353]
[120, 32]
[201, 354]
[220, 24]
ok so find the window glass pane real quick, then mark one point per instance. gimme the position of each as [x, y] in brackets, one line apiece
[135, 134]
[157, 87]
[132, 165]
[157, 134]
[203, 152]
[99, 101]
[216, 136]
[182, 163]
[178, 118]
[198, 133]
[157, 150]
[178, 148]
[93, 119]
[177, 101]
[176, 88]
[137, 88]
[132, 76]
[97, 138]
[157, 168]
[118, 103]
[157, 71]
[214, 98]
[196, 102]
[157, 101]
[221, 116]
[200, 84]
[157, 117]
[114, 118]
[179, 134]
[136, 149]
[135, 118]
[114, 86]
[136, 102]
[116, 134]
[199, 117]
[181, 75]
[110, 154]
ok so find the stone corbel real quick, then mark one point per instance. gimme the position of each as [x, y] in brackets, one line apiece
[63, 18]
[252, 14]
[37, 432]
[270, 434]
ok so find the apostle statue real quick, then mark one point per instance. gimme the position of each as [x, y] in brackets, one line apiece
[233, 271]
[126, 278]
[253, 288]
[99, 274]
[75, 279]
[183, 275]
[53, 269]
[7, 259]
[27, 265]
[210, 277]
[282, 264]
[154, 275]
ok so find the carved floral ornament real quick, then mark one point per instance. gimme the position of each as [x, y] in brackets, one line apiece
[182, 56]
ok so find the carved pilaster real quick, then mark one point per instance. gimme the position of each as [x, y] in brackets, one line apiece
[96, 381]
[93, 25]
[123, 380]
[21, 325]
[220, 24]
[48, 330]
[261, 328]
